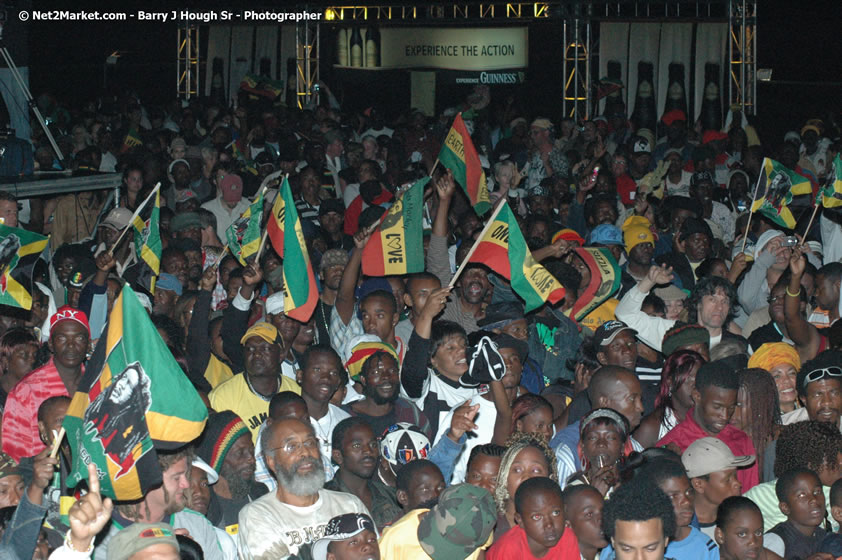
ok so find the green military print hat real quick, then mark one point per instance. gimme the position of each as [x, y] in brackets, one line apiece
[460, 523]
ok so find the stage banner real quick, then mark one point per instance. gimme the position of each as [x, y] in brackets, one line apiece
[676, 49]
[481, 49]
[711, 43]
[614, 50]
[644, 45]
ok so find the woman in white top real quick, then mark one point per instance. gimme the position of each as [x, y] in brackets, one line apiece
[678, 377]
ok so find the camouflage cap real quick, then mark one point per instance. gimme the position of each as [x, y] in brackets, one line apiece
[460, 523]
[7, 466]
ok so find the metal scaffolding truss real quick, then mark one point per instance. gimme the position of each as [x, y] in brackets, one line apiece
[579, 20]
[187, 69]
[306, 62]
[453, 12]
[742, 55]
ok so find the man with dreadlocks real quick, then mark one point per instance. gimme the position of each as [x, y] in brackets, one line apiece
[806, 445]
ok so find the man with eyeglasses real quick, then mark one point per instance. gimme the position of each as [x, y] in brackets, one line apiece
[278, 524]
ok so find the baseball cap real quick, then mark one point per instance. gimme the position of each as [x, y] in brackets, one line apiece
[231, 187]
[642, 146]
[275, 303]
[542, 123]
[608, 331]
[168, 282]
[671, 292]
[182, 196]
[692, 226]
[606, 234]
[263, 330]
[8, 467]
[634, 235]
[461, 522]
[673, 116]
[712, 136]
[709, 455]
[809, 127]
[185, 221]
[331, 205]
[140, 536]
[503, 340]
[497, 315]
[340, 528]
[67, 313]
[117, 219]
[199, 463]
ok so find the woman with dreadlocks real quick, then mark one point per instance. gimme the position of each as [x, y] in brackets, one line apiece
[678, 377]
[758, 411]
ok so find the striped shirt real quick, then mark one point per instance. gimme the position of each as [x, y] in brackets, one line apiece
[20, 418]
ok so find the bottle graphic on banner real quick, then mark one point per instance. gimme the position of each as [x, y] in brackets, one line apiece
[711, 101]
[645, 113]
[217, 91]
[676, 97]
[356, 48]
[614, 103]
[372, 47]
[342, 47]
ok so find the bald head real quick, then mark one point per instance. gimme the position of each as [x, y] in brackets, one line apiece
[618, 388]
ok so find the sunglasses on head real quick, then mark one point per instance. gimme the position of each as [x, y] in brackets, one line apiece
[821, 373]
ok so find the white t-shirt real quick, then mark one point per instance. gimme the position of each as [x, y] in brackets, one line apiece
[485, 419]
[324, 433]
[269, 528]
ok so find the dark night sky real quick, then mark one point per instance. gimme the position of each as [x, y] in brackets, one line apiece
[799, 40]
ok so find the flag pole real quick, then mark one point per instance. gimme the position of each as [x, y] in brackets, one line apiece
[262, 244]
[57, 443]
[475, 245]
[809, 224]
[135, 215]
[750, 213]
[433, 169]
[221, 255]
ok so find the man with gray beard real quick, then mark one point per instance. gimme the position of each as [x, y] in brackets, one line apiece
[278, 524]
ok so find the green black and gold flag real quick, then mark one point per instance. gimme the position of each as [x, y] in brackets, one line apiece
[243, 236]
[133, 399]
[147, 248]
[19, 251]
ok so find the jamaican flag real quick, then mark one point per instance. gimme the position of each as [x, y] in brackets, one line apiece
[19, 251]
[460, 156]
[831, 192]
[502, 248]
[133, 399]
[243, 236]
[147, 248]
[396, 246]
[776, 190]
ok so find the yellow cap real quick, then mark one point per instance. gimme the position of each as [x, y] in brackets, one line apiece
[635, 235]
[264, 330]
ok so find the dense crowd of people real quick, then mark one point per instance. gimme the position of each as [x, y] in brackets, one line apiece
[682, 400]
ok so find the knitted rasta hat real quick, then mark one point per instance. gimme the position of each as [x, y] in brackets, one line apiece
[222, 430]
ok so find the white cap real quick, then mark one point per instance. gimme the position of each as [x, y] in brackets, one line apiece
[275, 303]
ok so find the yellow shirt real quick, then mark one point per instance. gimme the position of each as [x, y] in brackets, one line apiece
[236, 395]
[602, 314]
[217, 372]
[400, 540]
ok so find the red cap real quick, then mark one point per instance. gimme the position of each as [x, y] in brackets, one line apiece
[67, 313]
[712, 136]
[672, 116]
[232, 188]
